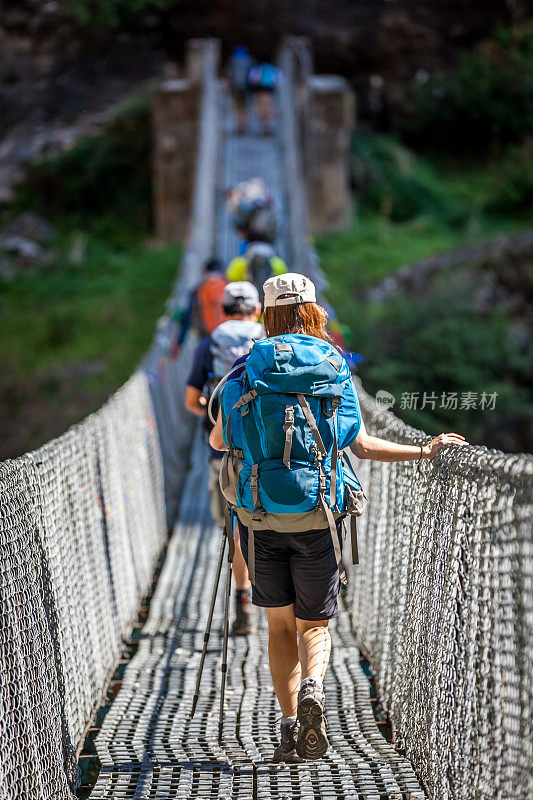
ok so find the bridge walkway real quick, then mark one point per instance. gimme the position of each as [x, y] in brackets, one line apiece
[148, 746]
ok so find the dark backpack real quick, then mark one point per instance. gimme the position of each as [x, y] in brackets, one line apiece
[261, 225]
[259, 256]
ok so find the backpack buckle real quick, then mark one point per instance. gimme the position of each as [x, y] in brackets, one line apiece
[289, 417]
[335, 403]
[314, 449]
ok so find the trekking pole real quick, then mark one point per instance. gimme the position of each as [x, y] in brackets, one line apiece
[209, 621]
[224, 670]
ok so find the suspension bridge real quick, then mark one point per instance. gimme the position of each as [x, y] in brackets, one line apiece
[440, 603]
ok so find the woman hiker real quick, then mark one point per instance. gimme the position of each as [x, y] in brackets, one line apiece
[292, 410]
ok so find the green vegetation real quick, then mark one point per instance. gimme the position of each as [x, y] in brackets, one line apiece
[74, 331]
[103, 182]
[105, 306]
[72, 335]
[113, 14]
[410, 208]
[484, 103]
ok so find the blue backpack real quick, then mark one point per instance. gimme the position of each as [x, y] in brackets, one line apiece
[263, 76]
[286, 420]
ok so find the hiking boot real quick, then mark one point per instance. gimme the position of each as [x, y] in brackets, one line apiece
[286, 750]
[244, 622]
[312, 741]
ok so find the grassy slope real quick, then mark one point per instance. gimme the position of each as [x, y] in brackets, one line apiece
[480, 359]
[375, 247]
[73, 334]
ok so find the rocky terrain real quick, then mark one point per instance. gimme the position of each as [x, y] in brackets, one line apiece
[58, 81]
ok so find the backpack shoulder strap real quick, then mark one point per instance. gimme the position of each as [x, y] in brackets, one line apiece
[242, 401]
[309, 418]
[308, 414]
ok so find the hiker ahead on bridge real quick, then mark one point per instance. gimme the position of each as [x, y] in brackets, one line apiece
[214, 357]
[204, 309]
[251, 208]
[286, 424]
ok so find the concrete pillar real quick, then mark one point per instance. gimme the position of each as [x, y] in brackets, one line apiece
[194, 60]
[331, 118]
[175, 127]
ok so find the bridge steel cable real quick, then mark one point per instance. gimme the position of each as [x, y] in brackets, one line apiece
[441, 602]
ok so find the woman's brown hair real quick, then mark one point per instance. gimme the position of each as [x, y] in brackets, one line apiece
[308, 318]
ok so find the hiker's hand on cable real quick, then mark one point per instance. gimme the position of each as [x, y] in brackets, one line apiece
[431, 448]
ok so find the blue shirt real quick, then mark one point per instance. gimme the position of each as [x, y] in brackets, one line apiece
[202, 365]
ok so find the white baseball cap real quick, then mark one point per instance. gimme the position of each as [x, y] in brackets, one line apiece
[288, 289]
[242, 291]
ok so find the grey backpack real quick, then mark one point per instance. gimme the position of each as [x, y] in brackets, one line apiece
[231, 340]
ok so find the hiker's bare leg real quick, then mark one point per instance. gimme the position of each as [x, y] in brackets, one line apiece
[240, 570]
[264, 108]
[314, 647]
[240, 119]
[283, 657]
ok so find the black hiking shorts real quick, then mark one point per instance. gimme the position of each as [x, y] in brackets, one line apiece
[297, 568]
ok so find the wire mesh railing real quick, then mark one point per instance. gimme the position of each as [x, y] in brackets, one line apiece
[82, 525]
[442, 605]
[168, 376]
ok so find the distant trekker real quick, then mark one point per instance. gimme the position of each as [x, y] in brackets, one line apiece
[258, 263]
[239, 66]
[204, 311]
[251, 208]
[262, 81]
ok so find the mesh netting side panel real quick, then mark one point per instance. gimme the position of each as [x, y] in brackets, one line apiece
[36, 759]
[82, 524]
[442, 604]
